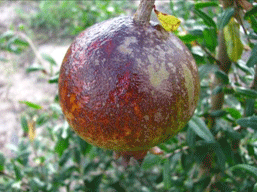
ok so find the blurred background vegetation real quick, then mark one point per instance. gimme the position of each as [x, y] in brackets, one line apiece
[216, 151]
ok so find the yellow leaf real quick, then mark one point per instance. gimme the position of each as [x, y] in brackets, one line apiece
[169, 22]
[32, 131]
[233, 41]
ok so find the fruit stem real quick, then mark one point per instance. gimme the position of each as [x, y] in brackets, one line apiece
[143, 13]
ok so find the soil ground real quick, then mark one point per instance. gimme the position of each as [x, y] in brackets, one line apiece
[18, 85]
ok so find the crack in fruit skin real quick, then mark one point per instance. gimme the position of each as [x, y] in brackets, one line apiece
[125, 87]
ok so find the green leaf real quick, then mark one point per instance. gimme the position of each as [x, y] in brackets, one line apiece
[12, 48]
[196, 32]
[254, 23]
[228, 90]
[30, 104]
[188, 38]
[49, 59]
[167, 174]
[187, 159]
[42, 119]
[227, 150]
[66, 172]
[190, 138]
[151, 161]
[24, 124]
[246, 92]
[210, 38]
[207, 19]
[200, 5]
[249, 107]
[77, 155]
[35, 68]
[54, 79]
[252, 12]
[202, 183]
[221, 158]
[222, 76]
[65, 157]
[7, 34]
[2, 161]
[252, 61]
[242, 65]
[218, 113]
[248, 122]
[17, 172]
[20, 42]
[200, 128]
[225, 17]
[251, 170]
[233, 112]
[83, 145]
[252, 36]
[61, 145]
[94, 184]
[250, 149]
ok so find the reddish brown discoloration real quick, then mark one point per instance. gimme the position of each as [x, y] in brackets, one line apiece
[123, 87]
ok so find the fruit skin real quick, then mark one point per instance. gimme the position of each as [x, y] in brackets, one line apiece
[126, 87]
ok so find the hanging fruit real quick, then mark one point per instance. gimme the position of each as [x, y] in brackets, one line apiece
[127, 85]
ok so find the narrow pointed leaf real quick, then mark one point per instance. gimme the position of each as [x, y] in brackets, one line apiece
[151, 161]
[225, 17]
[249, 107]
[254, 23]
[248, 122]
[221, 158]
[210, 38]
[251, 170]
[2, 161]
[200, 5]
[233, 112]
[246, 92]
[167, 174]
[222, 76]
[206, 18]
[24, 124]
[49, 59]
[200, 128]
[35, 68]
[252, 61]
[54, 79]
[32, 105]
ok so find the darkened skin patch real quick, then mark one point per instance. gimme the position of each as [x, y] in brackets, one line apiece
[108, 95]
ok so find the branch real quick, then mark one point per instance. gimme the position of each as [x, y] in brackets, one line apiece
[143, 13]
[33, 47]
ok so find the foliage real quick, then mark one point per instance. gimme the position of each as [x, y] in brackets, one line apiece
[202, 157]
[64, 18]
[12, 43]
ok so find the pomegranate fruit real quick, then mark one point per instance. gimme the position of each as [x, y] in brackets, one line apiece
[127, 87]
